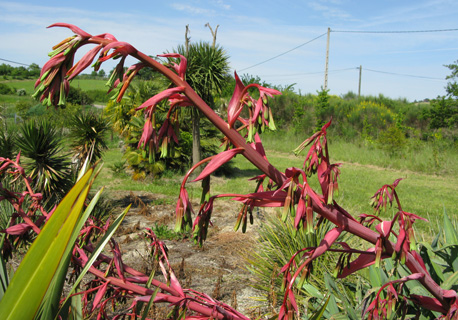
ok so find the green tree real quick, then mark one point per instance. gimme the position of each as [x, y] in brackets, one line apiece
[34, 70]
[444, 110]
[207, 70]
[322, 105]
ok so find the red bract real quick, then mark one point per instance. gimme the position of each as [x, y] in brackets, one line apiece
[151, 103]
[180, 68]
[147, 135]
[234, 107]
[72, 27]
[82, 64]
[217, 161]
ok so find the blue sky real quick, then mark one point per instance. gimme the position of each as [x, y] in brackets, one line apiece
[255, 31]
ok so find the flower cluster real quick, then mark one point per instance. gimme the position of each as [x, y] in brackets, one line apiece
[260, 114]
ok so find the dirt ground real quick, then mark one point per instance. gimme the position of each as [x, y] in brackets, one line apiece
[216, 269]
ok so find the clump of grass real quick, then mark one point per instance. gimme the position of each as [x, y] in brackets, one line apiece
[163, 232]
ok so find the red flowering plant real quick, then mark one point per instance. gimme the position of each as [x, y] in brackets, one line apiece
[289, 190]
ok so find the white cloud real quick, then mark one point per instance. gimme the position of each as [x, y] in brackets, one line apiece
[330, 11]
[221, 4]
[192, 9]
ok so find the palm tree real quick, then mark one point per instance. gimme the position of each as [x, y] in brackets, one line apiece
[46, 164]
[208, 66]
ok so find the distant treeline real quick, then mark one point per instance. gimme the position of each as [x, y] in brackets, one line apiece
[32, 71]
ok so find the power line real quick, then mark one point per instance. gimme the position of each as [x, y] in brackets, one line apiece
[24, 64]
[402, 31]
[307, 73]
[404, 75]
[281, 54]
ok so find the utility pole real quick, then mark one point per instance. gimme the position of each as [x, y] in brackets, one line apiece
[359, 86]
[327, 61]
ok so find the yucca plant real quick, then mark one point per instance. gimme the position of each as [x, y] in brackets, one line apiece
[7, 143]
[87, 132]
[46, 163]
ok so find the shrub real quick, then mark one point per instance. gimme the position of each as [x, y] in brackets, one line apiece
[392, 140]
[78, 96]
[5, 89]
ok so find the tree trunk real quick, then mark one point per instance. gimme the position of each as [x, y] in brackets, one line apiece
[196, 154]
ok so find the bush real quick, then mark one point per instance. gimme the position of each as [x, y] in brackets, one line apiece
[392, 140]
[78, 96]
[5, 89]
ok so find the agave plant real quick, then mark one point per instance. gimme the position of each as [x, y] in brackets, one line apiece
[87, 132]
[46, 163]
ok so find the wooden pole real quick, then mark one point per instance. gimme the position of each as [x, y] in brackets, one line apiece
[359, 85]
[327, 61]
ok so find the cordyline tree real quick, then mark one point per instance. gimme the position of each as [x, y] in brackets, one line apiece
[289, 190]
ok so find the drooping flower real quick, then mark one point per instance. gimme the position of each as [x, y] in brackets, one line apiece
[83, 63]
[151, 102]
[235, 105]
[131, 72]
[180, 68]
[384, 196]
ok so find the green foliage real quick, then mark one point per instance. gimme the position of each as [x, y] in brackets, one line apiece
[207, 68]
[78, 96]
[321, 108]
[443, 113]
[441, 255]
[118, 167]
[51, 248]
[392, 140]
[32, 71]
[5, 89]
[8, 147]
[45, 163]
[163, 232]
[23, 109]
[87, 132]
[98, 95]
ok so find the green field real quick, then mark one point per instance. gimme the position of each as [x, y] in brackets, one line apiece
[28, 85]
